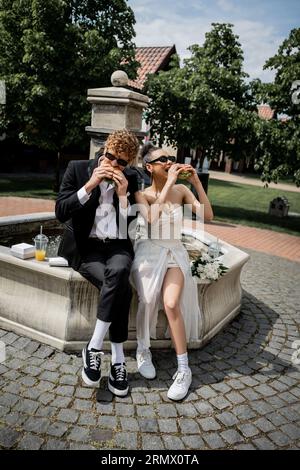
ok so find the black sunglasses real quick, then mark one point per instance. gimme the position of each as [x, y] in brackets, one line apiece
[164, 159]
[120, 161]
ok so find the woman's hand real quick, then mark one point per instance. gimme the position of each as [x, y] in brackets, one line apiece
[173, 173]
[193, 179]
[121, 182]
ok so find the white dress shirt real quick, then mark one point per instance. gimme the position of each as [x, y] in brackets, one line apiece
[105, 225]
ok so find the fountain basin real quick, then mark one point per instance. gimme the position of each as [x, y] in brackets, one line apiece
[57, 306]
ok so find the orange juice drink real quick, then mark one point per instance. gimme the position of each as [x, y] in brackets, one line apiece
[40, 255]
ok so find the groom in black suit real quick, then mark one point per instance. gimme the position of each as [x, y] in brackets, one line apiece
[93, 202]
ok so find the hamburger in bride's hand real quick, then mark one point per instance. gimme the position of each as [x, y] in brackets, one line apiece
[185, 173]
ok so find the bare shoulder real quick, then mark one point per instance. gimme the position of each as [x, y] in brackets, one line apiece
[182, 188]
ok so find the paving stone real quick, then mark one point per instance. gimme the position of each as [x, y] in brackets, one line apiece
[188, 426]
[68, 416]
[148, 425]
[209, 424]
[78, 446]
[166, 411]
[172, 442]
[8, 399]
[30, 442]
[79, 433]
[248, 429]
[37, 425]
[213, 440]
[107, 422]
[193, 442]
[129, 424]
[49, 376]
[244, 447]
[250, 394]
[84, 393]
[14, 418]
[65, 390]
[152, 398]
[235, 397]
[265, 390]
[220, 402]
[46, 398]
[124, 410]
[263, 443]
[45, 386]
[145, 411]
[204, 408]
[206, 392]
[167, 425]
[105, 408]
[68, 380]
[87, 419]
[61, 402]
[261, 407]
[150, 442]
[138, 398]
[187, 409]
[27, 406]
[82, 405]
[46, 411]
[232, 436]
[279, 438]
[55, 444]
[227, 418]
[9, 437]
[264, 424]
[57, 429]
[291, 430]
[244, 412]
[126, 440]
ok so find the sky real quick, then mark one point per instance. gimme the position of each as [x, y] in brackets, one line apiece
[261, 25]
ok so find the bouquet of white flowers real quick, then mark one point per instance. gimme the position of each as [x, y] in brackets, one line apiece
[206, 266]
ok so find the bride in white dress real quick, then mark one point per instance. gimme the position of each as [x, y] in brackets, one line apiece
[161, 267]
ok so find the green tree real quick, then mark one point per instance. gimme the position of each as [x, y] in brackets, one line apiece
[205, 103]
[51, 52]
[279, 148]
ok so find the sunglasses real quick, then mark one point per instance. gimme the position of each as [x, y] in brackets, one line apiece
[164, 159]
[120, 161]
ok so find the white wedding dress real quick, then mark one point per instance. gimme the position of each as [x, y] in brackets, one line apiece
[154, 254]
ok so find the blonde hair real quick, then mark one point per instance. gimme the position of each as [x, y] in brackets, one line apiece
[123, 141]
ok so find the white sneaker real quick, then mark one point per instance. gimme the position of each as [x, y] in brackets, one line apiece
[181, 385]
[145, 365]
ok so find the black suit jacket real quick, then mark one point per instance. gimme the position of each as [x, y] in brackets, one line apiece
[78, 218]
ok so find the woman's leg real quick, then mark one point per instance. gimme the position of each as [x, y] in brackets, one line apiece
[171, 291]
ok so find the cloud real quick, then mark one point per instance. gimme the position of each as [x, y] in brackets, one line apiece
[164, 26]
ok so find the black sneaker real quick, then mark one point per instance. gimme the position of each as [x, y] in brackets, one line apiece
[91, 366]
[117, 381]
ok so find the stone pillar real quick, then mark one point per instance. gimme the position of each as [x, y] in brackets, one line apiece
[115, 108]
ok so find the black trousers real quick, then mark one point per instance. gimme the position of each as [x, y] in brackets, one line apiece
[107, 266]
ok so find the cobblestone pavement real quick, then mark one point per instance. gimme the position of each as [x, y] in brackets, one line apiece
[245, 392]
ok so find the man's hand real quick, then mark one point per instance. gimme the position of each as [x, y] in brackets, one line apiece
[99, 174]
[121, 182]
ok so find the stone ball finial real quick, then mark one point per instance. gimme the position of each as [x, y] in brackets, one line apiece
[119, 78]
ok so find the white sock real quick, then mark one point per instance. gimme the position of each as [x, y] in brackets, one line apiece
[100, 331]
[117, 353]
[141, 346]
[183, 362]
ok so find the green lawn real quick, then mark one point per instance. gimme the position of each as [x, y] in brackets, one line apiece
[39, 187]
[249, 205]
[232, 202]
